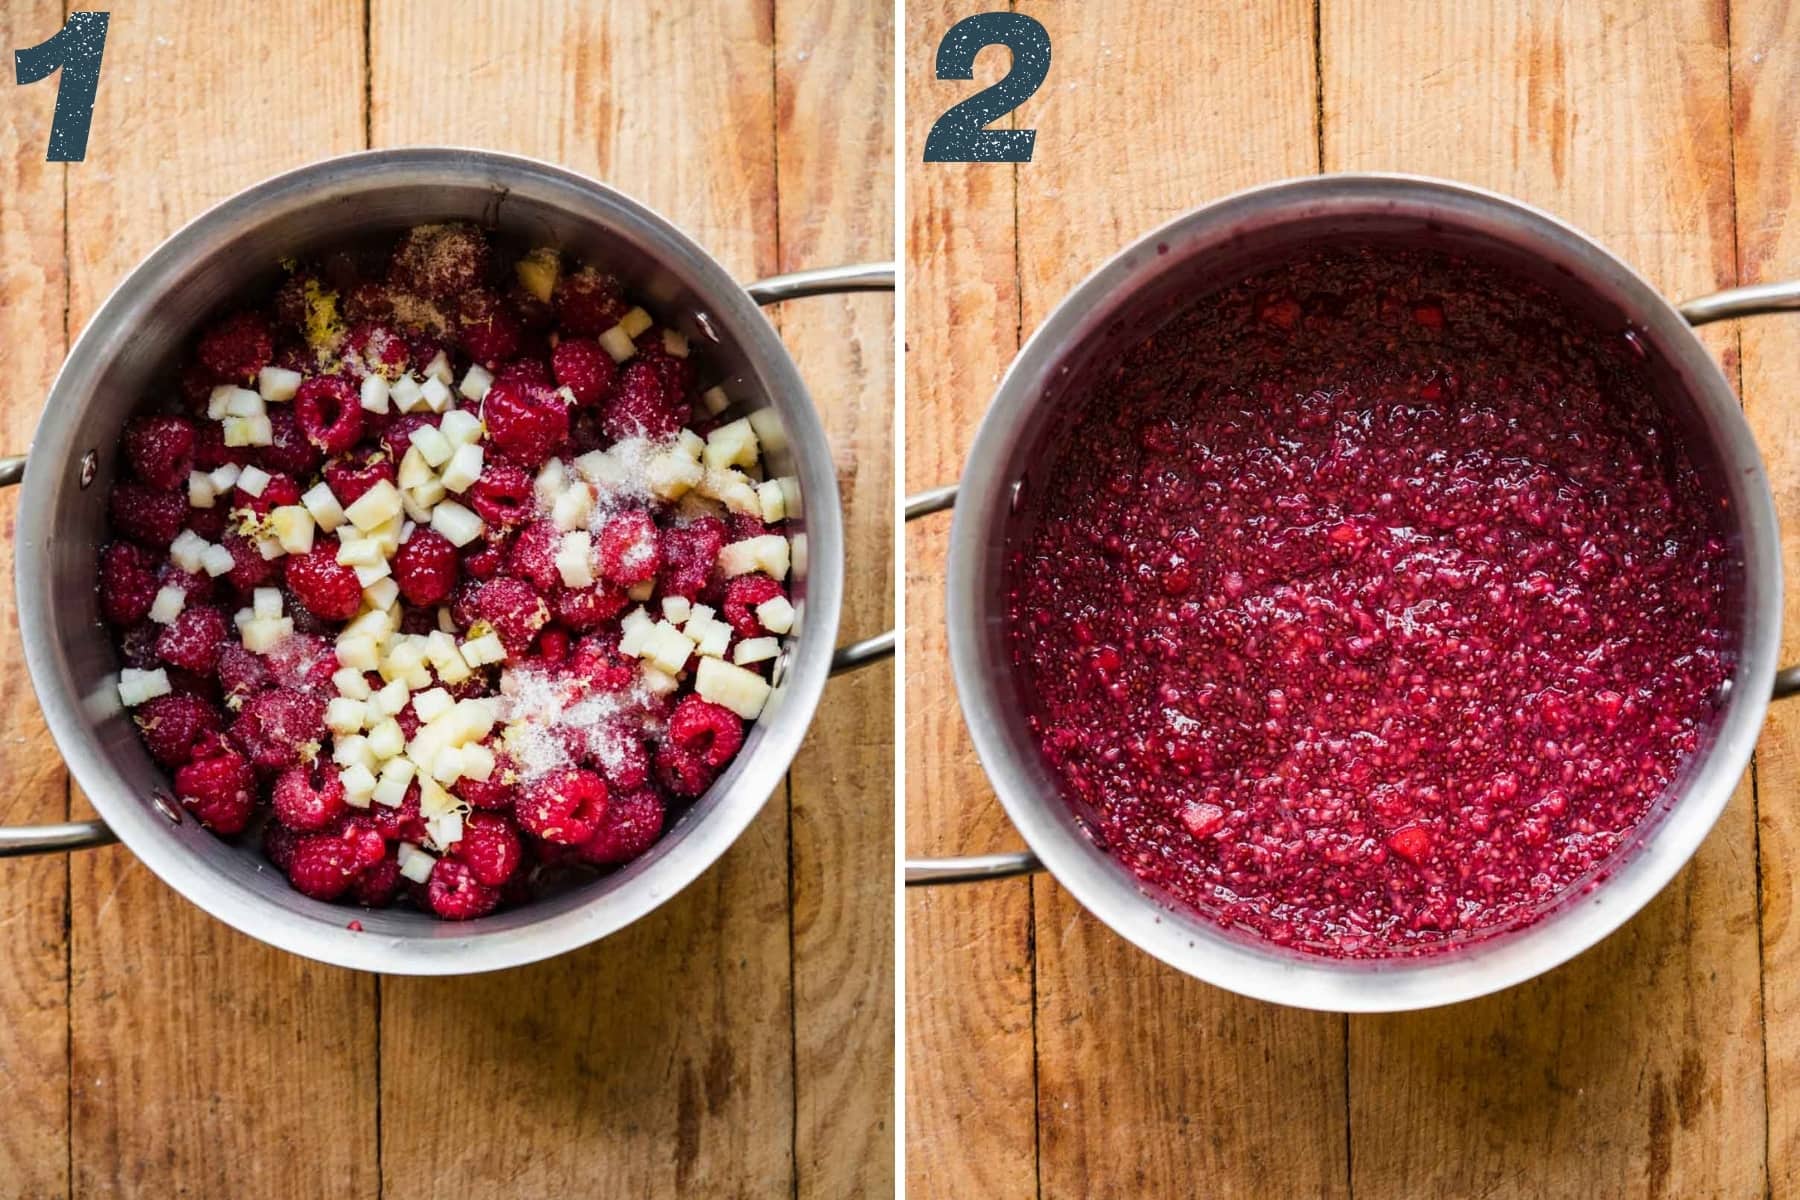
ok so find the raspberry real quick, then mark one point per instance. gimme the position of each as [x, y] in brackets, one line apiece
[174, 726]
[379, 883]
[488, 333]
[587, 302]
[350, 478]
[689, 553]
[525, 370]
[160, 450]
[456, 895]
[289, 452]
[249, 569]
[307, 799]
[278, 844]
[209, 523]
[630, 552]
[583, 609]
[402, 824]
[564, 807]
[676, 374]
[741, 526]
[553, 645]
[515, 611]
[127, 584]
[275, 726]
[632, 824]
[137, 646]
[710, 732]
[489, 846]
[597, 660]
[372, 348]
[425, 568]
[290, 304]
[397, 437]
[502, 496]
[742, 595]
[242, 673]
[218, 789]
[533, 557]
[623, 759]
[483, 560]
[148, 517]
[198, 589]
[534, 314]
[641, 406]
[681, 772]
[329, 413]
[526, 423]
[324, 865]
[369, 301]
[193, 640]
[237, 348]
[304, 661]
[494, 792]
[584, 368]
[440, 261]
[195, 383]
[326, 587]
[210, 450]
[280, 490]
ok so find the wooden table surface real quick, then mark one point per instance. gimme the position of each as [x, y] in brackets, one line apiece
[1046, 1056]
[736, 1042]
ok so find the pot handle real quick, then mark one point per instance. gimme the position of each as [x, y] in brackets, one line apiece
[831, 281]
[922, 872]
[1754, 300]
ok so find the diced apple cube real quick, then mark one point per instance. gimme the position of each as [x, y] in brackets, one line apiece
[634, 631]
[383, 593]
[677, 608]
[406, 394]
[217, 561]
[767, 553]
[600, 469]
[617, 343]
[425, 497]
[201, 493]
[188, 550]
[414, 470]
[458, 525]
[137, 687]
[432, 704]
[790, 496]
[657, 682]
[635, 322]
[672, 474]
[252, 480]
[573, 508]
[445, 829]
[353, 751]
[446, 765]
[356, 551]
[464, 467]
[326, 512]
[293, 527]
[755, 650]
[359, 651]
[798, 557]
[714, 639]
[245, 403]
[396, 775]
[218, 401]
[415, 864]
[538, 272]
[374, 507]
[475, 383]
[225, 478]
[359, 785]
[345, 716]
[732, 489]
[266, 602]
[667, 647]
[461, 426]
[714, 401]
[436, 394]
[575, 559]
[484, 650]
[675, 343]
[477, 762]
[387, 535]
[248, 431]
[439, 369]
[551, 479]
[374, 393]
[641, 591]
[367, 577]
[773, 501]
[387, 739]
[269, 548]
[776, 614]
[168, 605]
[744, 692]
[351, 683]
[393, 695]
[731, 445]
[277, 384]
[263, 634]
[433, 799]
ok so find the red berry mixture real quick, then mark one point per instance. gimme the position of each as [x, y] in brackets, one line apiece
[1370, 604]
[413, 575]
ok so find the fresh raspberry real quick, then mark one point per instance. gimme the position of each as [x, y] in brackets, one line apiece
[237, 348]
[127, 583]
[456, 895]
[160, 450]
[350, 478]
[584, 368]
[397, 437]
[533, 556]
[596, 658]
[502, 496]
[372, 348]
[494, 792]
[194, 383]
[137, 646]
[210, 450]
[742, 596]
[242, 673]
[369, 301]
[675, 374]
[275, 726]
[326, 587]
[564, 807]
[249, 569]
[441, 262]
[329, 412]
[515, 611]
[534, 371]
[307, 799]
[552, 645]
[740, 526]
[280, 490]
[296, 356]
[630, 551]
[289, 451]
[681, 772]
[534, 314]
[632, 824]
[324, 865]
[526, 423]
[174, 726]
[489, 846]
[278, 844]
[209, 523]
[290, 305]
[588, 303]
[425, 568]
[146, 516]
[404, 823]
[218, 789]
[639, 405]
[483, 560]
[689, 554]
[197, 588]
[584, 609]
[486, 329]
[710, 732]
[193, 640]
[622, 756]
[378, 884]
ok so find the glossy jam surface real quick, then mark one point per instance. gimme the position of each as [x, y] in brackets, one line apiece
[1371, 604]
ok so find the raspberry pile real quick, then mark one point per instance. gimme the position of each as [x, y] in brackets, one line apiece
[438, 570]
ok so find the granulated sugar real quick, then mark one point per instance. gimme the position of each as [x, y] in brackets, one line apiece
[555, 720]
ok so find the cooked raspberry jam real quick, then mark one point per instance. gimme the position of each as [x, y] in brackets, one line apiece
[419, 568]
[1371, 604]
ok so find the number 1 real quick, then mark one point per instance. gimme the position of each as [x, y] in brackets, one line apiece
[75, 49]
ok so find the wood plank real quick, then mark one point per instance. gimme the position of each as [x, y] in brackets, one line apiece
[34, 892]
[834, 70]
[1616, 118]
[205, 1063]
[970, 1073]
[1202, 1085]
[660, 1060]
[1764, 75]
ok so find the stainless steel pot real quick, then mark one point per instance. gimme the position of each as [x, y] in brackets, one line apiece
[149, 318]
[1211, 247]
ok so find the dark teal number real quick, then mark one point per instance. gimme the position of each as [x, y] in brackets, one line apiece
[962, 133]
[75, 50]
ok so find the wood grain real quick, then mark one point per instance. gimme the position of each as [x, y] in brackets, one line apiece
[205, 1063]
[835, 151]
[34, 892]
[1637, 1068]
[970, 1070]
[659, 1061]
[1764, 75]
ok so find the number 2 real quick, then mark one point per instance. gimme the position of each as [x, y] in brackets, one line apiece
[962, 133]
[75, 49]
